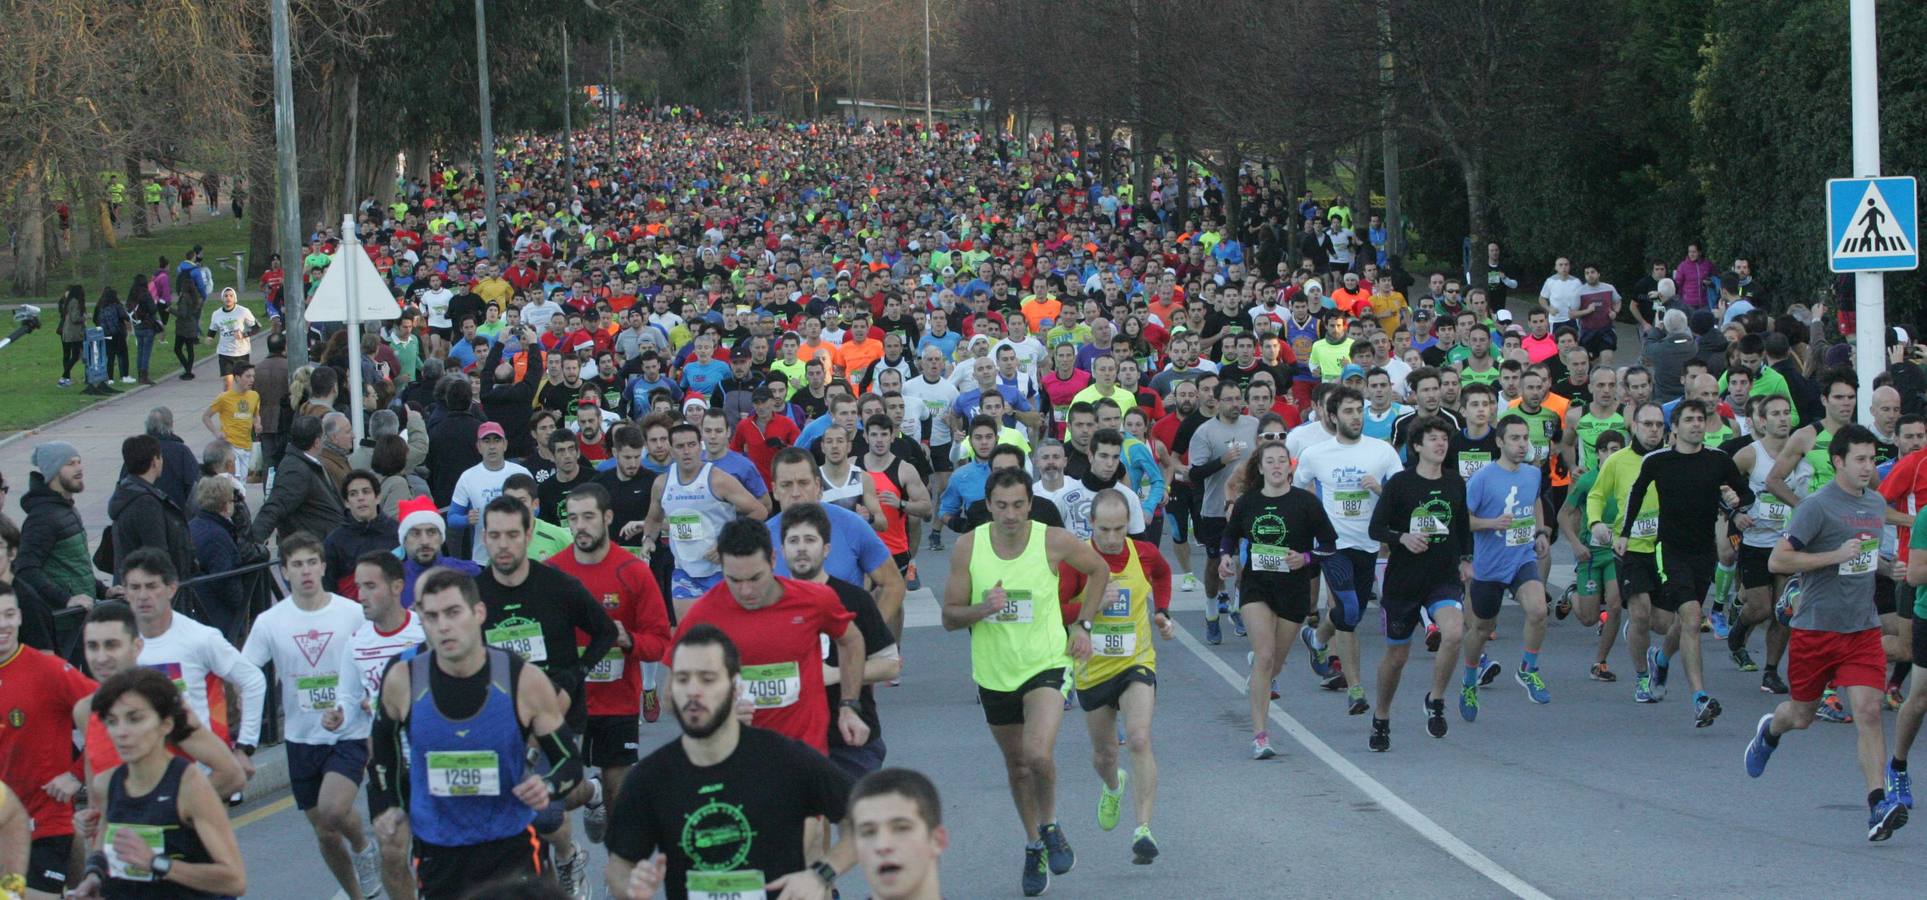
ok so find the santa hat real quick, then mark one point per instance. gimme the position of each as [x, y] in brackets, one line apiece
[695, 398]
[420, 511]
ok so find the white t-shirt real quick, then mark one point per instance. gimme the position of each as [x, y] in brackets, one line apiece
[366, 654]
[305, 648]
[473, 491]
[1562, 294]
[1030, 353]
[1338, 471]
[192, 654]
[936, 399]
[537, 315]
[1074, 502]
[1305, 436]
[435, 303]
[1056, 497]
[232, 327]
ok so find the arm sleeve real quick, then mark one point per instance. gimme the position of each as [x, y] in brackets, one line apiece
[247, 678]
[1603, 488]
[589, 617]
[1158, 570]
[1070, 583]
[649, 619]
[1380, 528]
[271, 511]
[1323, 534]
[388, 767]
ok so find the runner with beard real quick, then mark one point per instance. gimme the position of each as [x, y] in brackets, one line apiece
[727, 805]
[626, 589]
[1638, 572]
[1273, 528]
[451, 744]
[1422, 518]
[423, 533]
[806, 540]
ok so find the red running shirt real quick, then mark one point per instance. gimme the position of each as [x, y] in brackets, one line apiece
[782, 653]
[37, 697]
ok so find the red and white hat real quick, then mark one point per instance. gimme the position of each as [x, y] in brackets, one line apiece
[420, 511]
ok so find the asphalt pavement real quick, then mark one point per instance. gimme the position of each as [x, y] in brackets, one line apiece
[1589, 796]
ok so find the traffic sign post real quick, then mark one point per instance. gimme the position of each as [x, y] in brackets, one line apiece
[1870, 288]
[1872, 225]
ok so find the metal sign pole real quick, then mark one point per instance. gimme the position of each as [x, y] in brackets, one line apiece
[1870, 288]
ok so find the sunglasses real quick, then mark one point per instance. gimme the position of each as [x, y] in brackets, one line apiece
[1271, 436]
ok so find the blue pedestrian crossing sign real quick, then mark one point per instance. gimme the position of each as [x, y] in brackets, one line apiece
[1872, 225]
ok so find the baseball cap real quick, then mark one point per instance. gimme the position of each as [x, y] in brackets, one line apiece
[1351, 371]
[588, 400]
[1504, 315]
[1423, 315]
[490, 429]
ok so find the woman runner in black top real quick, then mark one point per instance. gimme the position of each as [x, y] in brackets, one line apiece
[165, 833]
[1268, 540]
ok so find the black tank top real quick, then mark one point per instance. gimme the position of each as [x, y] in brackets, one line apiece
[158, 808]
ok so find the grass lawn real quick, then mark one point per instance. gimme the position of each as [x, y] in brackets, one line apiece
[30, 368]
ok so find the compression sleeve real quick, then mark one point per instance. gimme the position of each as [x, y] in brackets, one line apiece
[388, 766]
[565, 764]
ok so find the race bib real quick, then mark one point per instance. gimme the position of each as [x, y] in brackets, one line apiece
[1351, 504]
[154, 836]
[1521, 532]
[608, 668]
[1471, 463]
[773, 686]
[1115, 639]
[316, 693]
[521, 637]
[746, 884]
[1539, 452]
[1771, 513]
[688, 526]
[1270, 558]
[1428, 525]
[464, 773]
[1017, 609]
[1646, 526]
[1864, 562]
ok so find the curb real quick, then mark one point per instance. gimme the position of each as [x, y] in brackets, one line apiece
[124, 394]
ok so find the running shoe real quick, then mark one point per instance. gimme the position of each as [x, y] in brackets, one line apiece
[1469, 702]
[573, 873]
[1832, 710]
[1322, 663]
[910, 580]
[1601, 672]
[1893, 698]
[595, 814]
[1356, 696]
[1036, 873]
[1563, 607]
[1432, 638]
[1237, 618]
[1058, 848]
[1643, 689]
[1772, 683]
[651, 705]
[66, 382]
[1721, 627]
[1110, 801]
[1434, 717]
[1212, 633]
[1900, 786]
[1336, 681]
[1744, 660]
[1534, 685]
[1887, 817]
[1381, 739]
[1190, 582]
[1067, 698]
[1261, 746]
[1144, 847]
[368, 869]
[1489, 670]
[1658, 684]
[936, 543]
[1705, 710]
[1758, 751]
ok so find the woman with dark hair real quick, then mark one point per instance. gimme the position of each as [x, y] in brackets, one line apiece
[164, 833]
[73, 330]
[148, 320]
[187, 329]
[114, 324]
[390, 461]
[162, 287]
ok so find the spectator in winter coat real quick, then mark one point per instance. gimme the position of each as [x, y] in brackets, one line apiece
[73, 331]
[451, 443]
[143, 514]
[219, 546]
[365, 530]
[114, 323]
[147, 316]
[304, 497]
[1667, 349]
[179, 467]
[53, 559]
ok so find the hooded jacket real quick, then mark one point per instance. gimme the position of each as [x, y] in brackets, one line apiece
[304, 499]
[144, 516]
[348, 542]
[53, 558]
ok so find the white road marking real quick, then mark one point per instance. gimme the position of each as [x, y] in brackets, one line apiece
[1371, 787]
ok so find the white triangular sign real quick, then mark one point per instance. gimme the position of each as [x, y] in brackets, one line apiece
[1872, 232]
[373, 299]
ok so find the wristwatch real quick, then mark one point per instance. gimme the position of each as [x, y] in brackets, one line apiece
[852, 703]
[824, 871]
[1084, 624]
[245, 748]
[160, 867]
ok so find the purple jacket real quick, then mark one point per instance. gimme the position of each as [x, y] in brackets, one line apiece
[1690, 277]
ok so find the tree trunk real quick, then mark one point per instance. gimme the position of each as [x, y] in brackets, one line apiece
[258, 199]
[1233, 203]
[1473, 165]
[30, 261]
[1144, 158]
[1362, 185]
[1182, 184]
[1108, 132]
[136, 206]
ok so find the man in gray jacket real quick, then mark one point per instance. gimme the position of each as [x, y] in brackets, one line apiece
[305, 497]
[1667, 349]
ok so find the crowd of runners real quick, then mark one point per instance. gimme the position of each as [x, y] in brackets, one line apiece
[685, 436]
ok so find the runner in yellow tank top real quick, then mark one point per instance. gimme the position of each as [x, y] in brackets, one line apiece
[1121, 675]
[1003, 587]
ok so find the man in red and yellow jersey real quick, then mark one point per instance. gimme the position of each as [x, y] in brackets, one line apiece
[37, 696]
[1121, 674]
